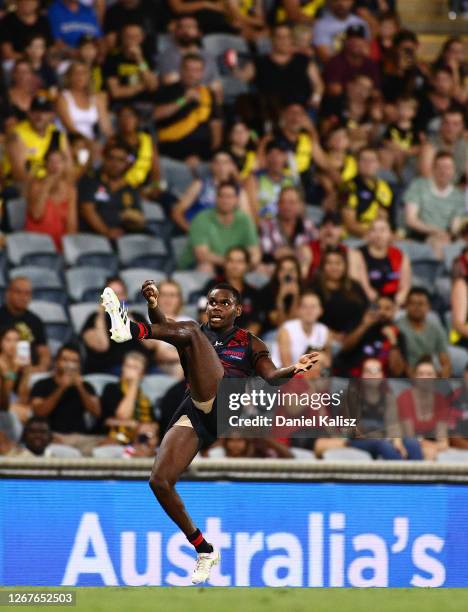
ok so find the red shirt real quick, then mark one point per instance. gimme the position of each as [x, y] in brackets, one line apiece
[407, 412]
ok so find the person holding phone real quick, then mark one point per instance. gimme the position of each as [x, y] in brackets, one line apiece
[15, 370]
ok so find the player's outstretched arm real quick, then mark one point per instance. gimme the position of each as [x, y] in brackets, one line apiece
[150, 293]
[265, 367]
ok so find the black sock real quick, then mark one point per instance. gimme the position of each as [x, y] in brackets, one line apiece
[140, 331]
[198, 541]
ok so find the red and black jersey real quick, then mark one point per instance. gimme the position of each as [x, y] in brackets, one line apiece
[384, 272]
[234, 349]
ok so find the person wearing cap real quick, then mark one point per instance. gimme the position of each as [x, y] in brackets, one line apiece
[30, 141]
[264, 186]
[352, 60]
[331, 26]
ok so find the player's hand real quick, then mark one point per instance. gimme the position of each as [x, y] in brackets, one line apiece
[150, 293]
[306, 362]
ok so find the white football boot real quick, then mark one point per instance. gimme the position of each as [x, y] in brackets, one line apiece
[120, 323]
[205, 562]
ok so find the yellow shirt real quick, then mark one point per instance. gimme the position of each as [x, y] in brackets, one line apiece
[138, 173]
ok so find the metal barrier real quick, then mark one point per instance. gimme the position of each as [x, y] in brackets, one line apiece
[239, 469]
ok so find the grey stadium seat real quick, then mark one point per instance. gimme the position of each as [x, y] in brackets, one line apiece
[347, 454]
[191, 282]
[11, 425]
[109, 451]
[46, 283]
[99, 381]
[459, 359]
[416, 251]
[453, 455]
[451, 251]
[54, 318]
[314, 213]
[233, 88]
[85, 283]
[178, 244]
[218, 44]
[176, 174]
[156, 385]
[79, 314]
[16, 212]
[153, 211]
[135, 277]
[89, 250]
[137, 250]
[256, 279]
[62, 451]
[31, 248]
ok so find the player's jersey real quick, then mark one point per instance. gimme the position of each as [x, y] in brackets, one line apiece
[234, 350]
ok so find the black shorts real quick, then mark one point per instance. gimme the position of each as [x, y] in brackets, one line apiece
[204, 425]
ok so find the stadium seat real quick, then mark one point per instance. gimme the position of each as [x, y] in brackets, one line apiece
[46, 283]
[134, 279]
[109, 451]
[140, 250]
[156, 385]
[16, 213]
[190, 312]
[89, 250]
[451, 251]
[54, 346]
[315, 214]
[233, 88]
[156, 221]
[2, 285]
[443, 286]
[54, 318]
[218, 44]
[192, 283]
[178, 244]
[176, 174]
[354, 243]
[31, 248]
[398, 385]
[62, 451]
[453, 455]
[79, 314]
[99, 381]
[347, 454]
[85, 283]
[138, 308]
[256, 279]
[459, 359]
[37, 376]
[416, 251]
[426, 270]
[303, 454]
[11, 425]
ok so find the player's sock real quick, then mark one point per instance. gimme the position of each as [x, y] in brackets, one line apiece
[198, 541]
[140, 331]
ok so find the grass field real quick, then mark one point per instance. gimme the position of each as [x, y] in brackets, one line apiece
[187, 599]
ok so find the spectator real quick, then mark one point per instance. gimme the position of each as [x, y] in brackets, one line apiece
[37, 436]
[212, 16]
[214, 231]
[351, 61]
[124, 404]
[81, 152]
[284, 65]
[343, 162]
[145, 442]
[378, 417]
[424, 411]
[289, 230]
[235, 447]
[423, 335]
[140, 12]
[329, 28]
[80, 110]
[22, 90]
[15, 313]
[242, 146]
[264, 186]
[297, 11]
[30, 140]
[88, 52]
[366, 197]
[236, 266]
[459, 414]
[129, 73]
[279, 299]
[186, 38]
[434, 206]
[330, 235]
[65, 398]
[305, 334]
[247, 18]
[439, 98]
[403, 75]
[70, 20]
[449, 139]
[8, 448]
[452, 56]
[171, 302]
[381, 46]
[44, 74]
[376, 337]
[17, 27]
[459, 300]
[201, 194]
[343, 299]
[109, 206]
[387, 268]
[187, 115]
[15, 370]
[51, 201]
[102, 355]
[401, 137]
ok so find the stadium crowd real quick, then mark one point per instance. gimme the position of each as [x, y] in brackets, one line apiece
[300, 150]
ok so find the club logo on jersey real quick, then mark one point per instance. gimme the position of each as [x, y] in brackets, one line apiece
[217, 343]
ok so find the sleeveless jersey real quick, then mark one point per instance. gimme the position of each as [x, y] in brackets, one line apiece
[234, 350]
[384, 272]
